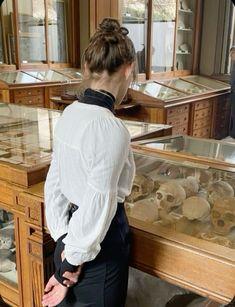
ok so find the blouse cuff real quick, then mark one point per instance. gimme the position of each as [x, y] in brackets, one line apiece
[65, 267]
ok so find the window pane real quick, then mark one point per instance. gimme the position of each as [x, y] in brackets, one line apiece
[164, 19]
[58, 40]
[134, 18]
[31, 16]
[7, 51]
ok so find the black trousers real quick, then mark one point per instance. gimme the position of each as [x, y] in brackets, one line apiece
[103, 281]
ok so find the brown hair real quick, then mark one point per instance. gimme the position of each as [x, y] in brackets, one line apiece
[109, 48]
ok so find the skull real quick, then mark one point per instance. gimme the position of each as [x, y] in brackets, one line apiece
[190, 185]
[196, 208]
[219, 189]
[142, 187]
[145, 210]
[223, 215]
[170, 195]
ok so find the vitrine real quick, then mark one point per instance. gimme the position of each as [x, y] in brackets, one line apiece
[194, 105]
[181, 211]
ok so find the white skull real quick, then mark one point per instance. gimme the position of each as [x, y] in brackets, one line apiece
[170, 195]
[145, 210]
[142, 187]
[190, 185]
[223, 215]
[219, 189]
[196, 208]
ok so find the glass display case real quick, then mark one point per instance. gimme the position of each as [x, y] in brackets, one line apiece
[141, 130]
[73, 73]
[49, 75]
[157, 90]
[184, 86]
[8, 266]
[18, 77]
[182, 216]
[192, 149]
[207, 82]
[25, 142]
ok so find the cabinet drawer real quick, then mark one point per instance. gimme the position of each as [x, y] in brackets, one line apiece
[34, 100]
[202, 104]
[200, 123]
[177, 111]
[28, 92]
[202, 132]
[199, 114]
[178, 120]
[180, 129]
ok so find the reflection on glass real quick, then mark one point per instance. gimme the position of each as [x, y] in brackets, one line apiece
[210, 83]
[48, 75]
[208, 148]
[134, 14]
[7, 28]
[73, 73]
[186, 86]
[17, 77]
[164, 18]
[139, 128]
[8, 270]
[31, 25]
[157, 90]
[26, 135]
[58, 36]
[190, 200]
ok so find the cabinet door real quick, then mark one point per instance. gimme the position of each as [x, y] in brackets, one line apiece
[184, 34]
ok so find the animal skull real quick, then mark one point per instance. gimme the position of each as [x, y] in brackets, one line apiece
[170, 195]
[223, 215]
[142, 187]
[219, 189]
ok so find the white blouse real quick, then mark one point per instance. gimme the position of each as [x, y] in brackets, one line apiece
[93, 167]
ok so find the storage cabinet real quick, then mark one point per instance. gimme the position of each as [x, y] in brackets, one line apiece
[181, 212]
[193, 105]
[26, 248]
[36, 87]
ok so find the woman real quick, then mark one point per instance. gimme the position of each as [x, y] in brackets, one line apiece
[92, 169]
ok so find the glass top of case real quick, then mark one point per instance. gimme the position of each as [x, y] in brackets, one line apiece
[26, 135]
[17, 77]
[73, 73]
[139, 128]
[157, 90]
[192, 146]
[48, 75]
[185, 86]
[210, 83]
[187, 200]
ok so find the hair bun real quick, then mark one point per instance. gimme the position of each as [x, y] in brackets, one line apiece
[112, 25]
[109, 25]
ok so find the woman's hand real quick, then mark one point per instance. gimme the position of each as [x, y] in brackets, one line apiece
[55, 293]
[72, 277]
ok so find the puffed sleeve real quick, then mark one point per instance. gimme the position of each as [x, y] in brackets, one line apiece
[105, 150]
[56, 203]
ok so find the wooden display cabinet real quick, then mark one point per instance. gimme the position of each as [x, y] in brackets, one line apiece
[36, 87]
[26, 136]
[192, 105]
[173, 238]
